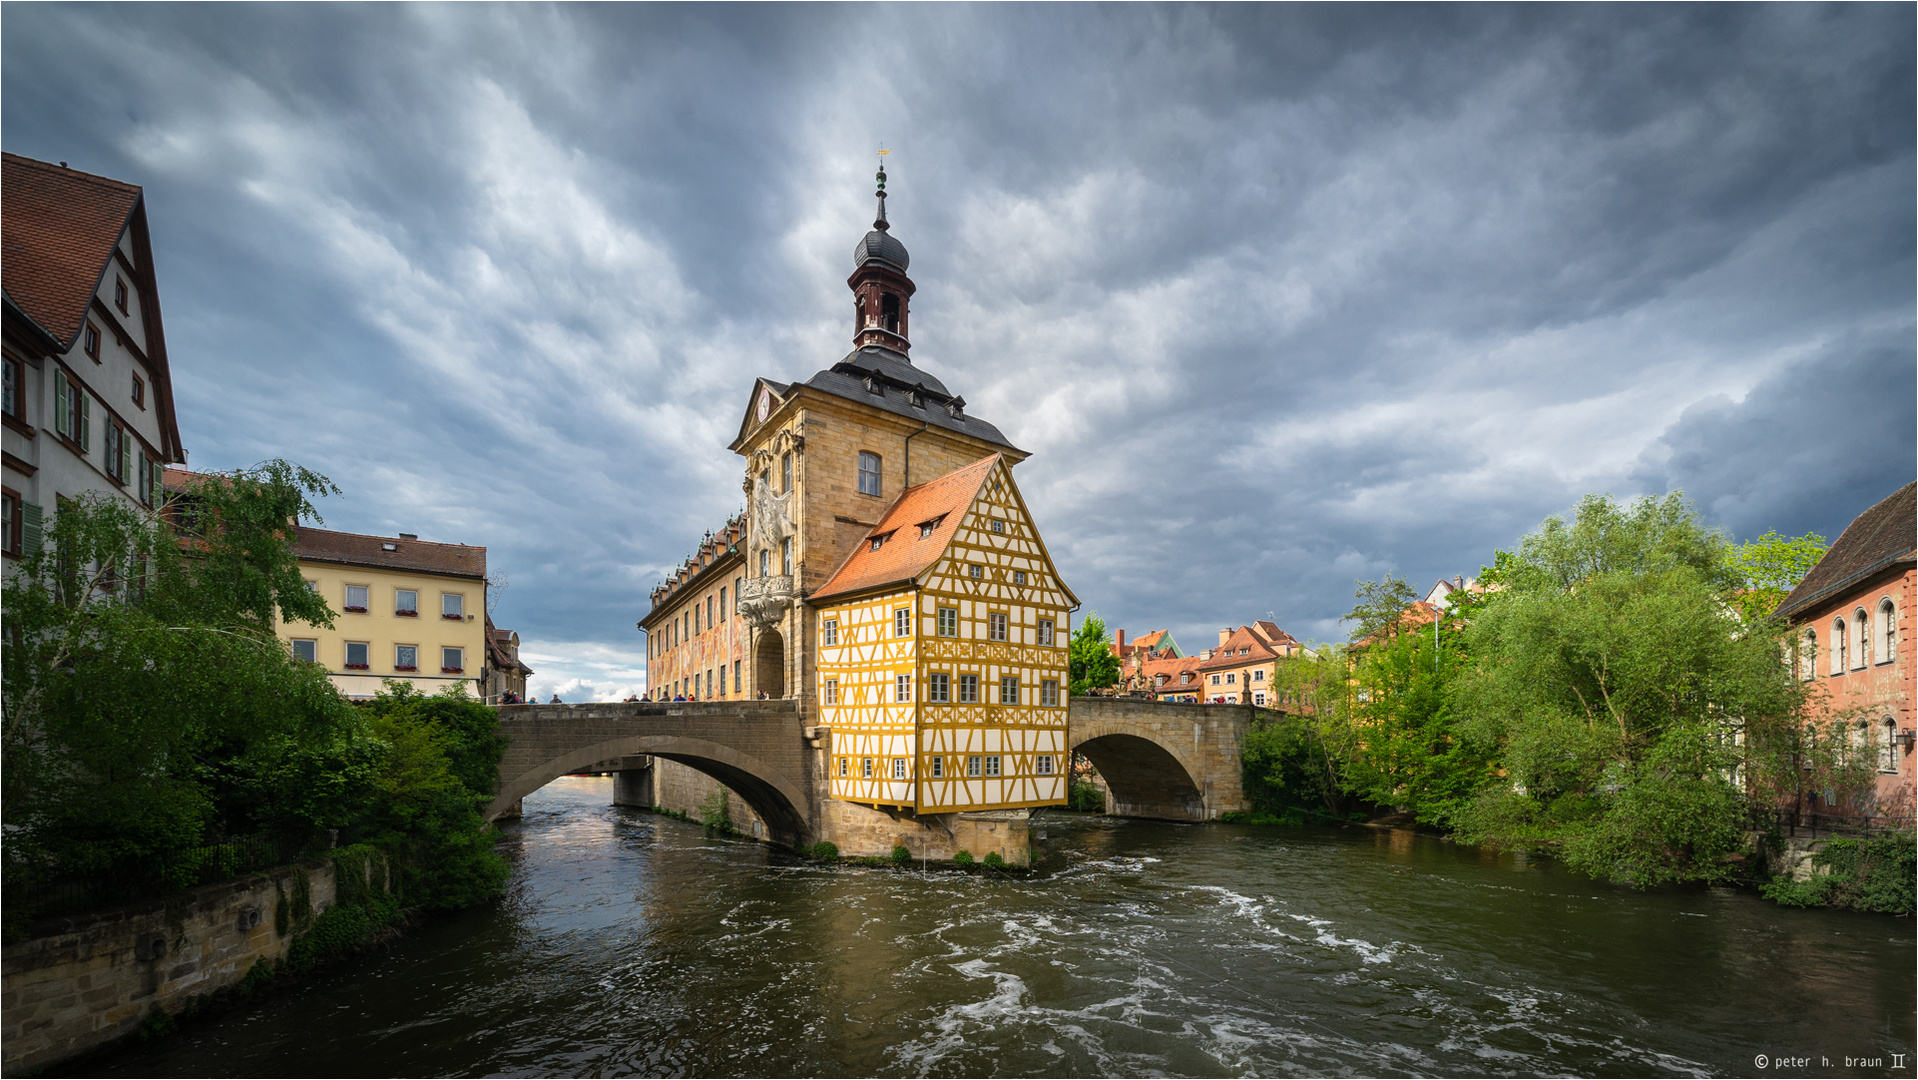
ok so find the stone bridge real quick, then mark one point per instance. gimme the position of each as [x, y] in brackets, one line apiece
[756, 748]
[1159, 759]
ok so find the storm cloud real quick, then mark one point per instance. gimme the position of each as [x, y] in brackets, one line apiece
[1278, 297]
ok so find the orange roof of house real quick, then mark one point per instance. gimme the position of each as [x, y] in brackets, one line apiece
[58, 228]
[905, 555]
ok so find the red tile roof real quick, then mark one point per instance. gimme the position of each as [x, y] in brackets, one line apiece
[58, 228]
[423, 556]
[904, 556]
[1883, 536]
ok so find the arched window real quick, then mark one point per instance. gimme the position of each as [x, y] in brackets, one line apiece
[1808, 657]
[1888, 748]
[1887, 631]
[1861, 639]
[1838, 643]
[889, 312]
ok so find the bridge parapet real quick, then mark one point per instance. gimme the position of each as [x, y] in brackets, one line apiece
[1165, 759]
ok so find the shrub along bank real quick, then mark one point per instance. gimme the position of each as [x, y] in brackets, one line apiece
[1617, 697]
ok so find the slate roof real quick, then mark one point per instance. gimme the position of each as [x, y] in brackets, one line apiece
[904, 390]
[1879, 538]
[423, 556]
[904, 555]
[58, 228]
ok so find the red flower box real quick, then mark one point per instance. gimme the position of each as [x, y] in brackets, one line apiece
[355, 610]
[451, 670]
[406, 613]
[404, 667]
[453, 618]
[356, 667]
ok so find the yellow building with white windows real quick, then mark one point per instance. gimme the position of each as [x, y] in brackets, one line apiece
[408, 609]
[942, 659]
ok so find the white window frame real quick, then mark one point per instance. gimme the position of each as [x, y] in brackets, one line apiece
[399, 601]
[1840, 640]
[829, 632]
[366, 600]
[902, 622]
[972, 765]
[1049, 693]
[902, 688]
[948, 622]
[972, 571]
[1042, 765]
[992, 765]
[968, 688]
[829, 692]
[1861, 643]
[938, 767]
[1008, 689]
[1888, 753]
[871, 473]
[1887, 623]
[865, 767]
[399, 657]
[456, 652]
[1808, 663]
[1045, 631]
[898, 768]
[1018, 577]
[996, 626]
[456, 602]
[312, 649]
[366, 655]
[939, 687]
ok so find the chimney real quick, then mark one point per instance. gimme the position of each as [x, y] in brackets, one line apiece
[1223, 634]
[1121, 640]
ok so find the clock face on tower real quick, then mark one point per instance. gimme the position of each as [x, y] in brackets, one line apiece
[765, 403]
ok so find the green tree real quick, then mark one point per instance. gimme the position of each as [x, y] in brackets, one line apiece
[1625, 697]
[1381, 607]
[1402, 747]
[1771, 567]
[1092, 665]
[1295, 759]
[142, 683]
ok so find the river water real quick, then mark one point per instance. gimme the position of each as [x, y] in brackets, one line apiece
[636, 944]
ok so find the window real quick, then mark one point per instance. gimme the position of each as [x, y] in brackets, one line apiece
[845, 766]
[1887, 631]
[902, 688]
[72, 412]
[940, 688]
[898, 768]
[972, 571]
[356, 652]
[765, 562]
[736, 676]
[1259, 675]
[865, 768]
[1861, 632]
[1888, 748]
[10, 524]
[1045, 631]
[972, 765]
[1185, 678]
[992, 764]
[902, 622]
[968, 689]
[406, 658]
[948, 622]
[1258, 698]
[452, 605]
[786, 555]
[878, 542]
[452, 660]
[90, 342]
[709, 613]
[938, 766]
[12, 396]
[120, 294]
[1231, 678]
[1215, 680]
[1838, 645]
[1808, 658]
[1049, 692]
[1009, 690]
[306, 649]
[998, 526]
[406, 603]
[110, 438]
[829, 632]
[356, 598]
[1042, 765]
[786, 472]
[868, 473]
[996, 626]
[722, 602]
[1018, 577]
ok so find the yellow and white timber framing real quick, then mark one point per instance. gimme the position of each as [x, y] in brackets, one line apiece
[904, 733]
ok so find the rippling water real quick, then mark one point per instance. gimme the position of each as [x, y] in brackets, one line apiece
[632, 943]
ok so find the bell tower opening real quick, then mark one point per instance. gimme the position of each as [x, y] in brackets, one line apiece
[889, 312]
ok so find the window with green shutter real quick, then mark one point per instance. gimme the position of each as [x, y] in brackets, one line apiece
[126, 456]
[32, 523]
[62, 406]
[86, 421]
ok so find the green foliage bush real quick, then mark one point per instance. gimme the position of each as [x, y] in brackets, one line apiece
[962, 857]
[992, 859]
[715, 811]
[1086, 797]
[901, 854]
[825, 851]
[1876, 874]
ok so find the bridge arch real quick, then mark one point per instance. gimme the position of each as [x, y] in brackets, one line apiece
[726, 743]
[1163, 760]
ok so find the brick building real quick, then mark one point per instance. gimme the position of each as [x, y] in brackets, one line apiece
[1852, 618]
[1241, 669]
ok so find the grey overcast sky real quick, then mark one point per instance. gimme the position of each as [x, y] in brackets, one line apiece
[1278, 297]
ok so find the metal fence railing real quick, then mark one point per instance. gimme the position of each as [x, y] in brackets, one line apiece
[196, 866]
[1812, 825]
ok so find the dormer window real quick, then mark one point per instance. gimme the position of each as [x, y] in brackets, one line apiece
[880, 541]
[389, 546]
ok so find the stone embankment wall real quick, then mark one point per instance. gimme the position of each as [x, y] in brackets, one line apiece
[683, 788]
[80, 982]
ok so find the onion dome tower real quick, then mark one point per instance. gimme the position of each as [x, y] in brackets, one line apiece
[880, 288]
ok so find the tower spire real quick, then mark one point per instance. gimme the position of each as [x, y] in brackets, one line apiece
[880, 222]
[880, 287]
